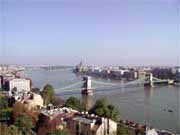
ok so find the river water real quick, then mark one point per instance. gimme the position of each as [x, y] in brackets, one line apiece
[146, 106]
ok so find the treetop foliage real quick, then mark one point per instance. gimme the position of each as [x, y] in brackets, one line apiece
[103, 108]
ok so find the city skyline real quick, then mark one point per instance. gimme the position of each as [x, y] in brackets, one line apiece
[126, 32]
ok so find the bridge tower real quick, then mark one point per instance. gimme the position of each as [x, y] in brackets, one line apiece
[87, 89]
[149, 80]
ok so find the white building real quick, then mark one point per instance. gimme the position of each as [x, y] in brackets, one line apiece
[34, 101]
[107, 127]
[151, 131]
[20, 85]
[91, 125]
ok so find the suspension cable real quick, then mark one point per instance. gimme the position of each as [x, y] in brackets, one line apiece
[70, 86]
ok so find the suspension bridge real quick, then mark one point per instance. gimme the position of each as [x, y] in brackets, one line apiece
[87, 85]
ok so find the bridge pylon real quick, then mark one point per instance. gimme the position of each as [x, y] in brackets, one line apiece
[86, 88]
[149, 80]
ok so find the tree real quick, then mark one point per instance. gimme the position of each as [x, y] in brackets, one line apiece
[58, 132]
[25, 123]
[124, 131]
[5, 114]
[13, 130]
[112, 112]
[19, 109]
[3, 102]
[48, 94]
[5, 111]
[9, 130]
[104, 109]
[74, 103]
[57, 101]
[36, 90]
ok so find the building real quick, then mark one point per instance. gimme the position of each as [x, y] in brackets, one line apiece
[130, 75]
[5, 78]
[52, 118]
[76, 123]
[97, 71]
[151, 131]
[19, 85]
[116, 74]
[141, 73]
[34, 101]
[105, 73]
[84, 124]
[30, 99]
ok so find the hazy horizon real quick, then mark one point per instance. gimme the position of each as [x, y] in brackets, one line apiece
[104, 32]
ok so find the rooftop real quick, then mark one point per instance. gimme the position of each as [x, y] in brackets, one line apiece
[19, 79]
[48, 111]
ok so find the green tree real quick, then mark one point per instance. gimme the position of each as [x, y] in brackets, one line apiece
[101, 103]
[3, 102]
[5, 111]
[48, 94]
[104, 109]
[9, 130]
[74, 103]
[13, 130]
[25, 123]
[113, 112]
[57, 101]
[36, 90]
[124, 131]
[5, 114]
[58, 132]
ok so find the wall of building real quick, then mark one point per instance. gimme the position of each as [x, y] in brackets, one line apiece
[77, 128]
[35, 101]
[19, 84]
[108, 127]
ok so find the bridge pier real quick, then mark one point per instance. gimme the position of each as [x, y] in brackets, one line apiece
[87, 89]
[87, 102]
[149, 80]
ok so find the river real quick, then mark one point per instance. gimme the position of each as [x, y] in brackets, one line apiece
[146, 106]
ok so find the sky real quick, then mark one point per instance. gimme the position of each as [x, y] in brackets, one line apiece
[97, 32]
